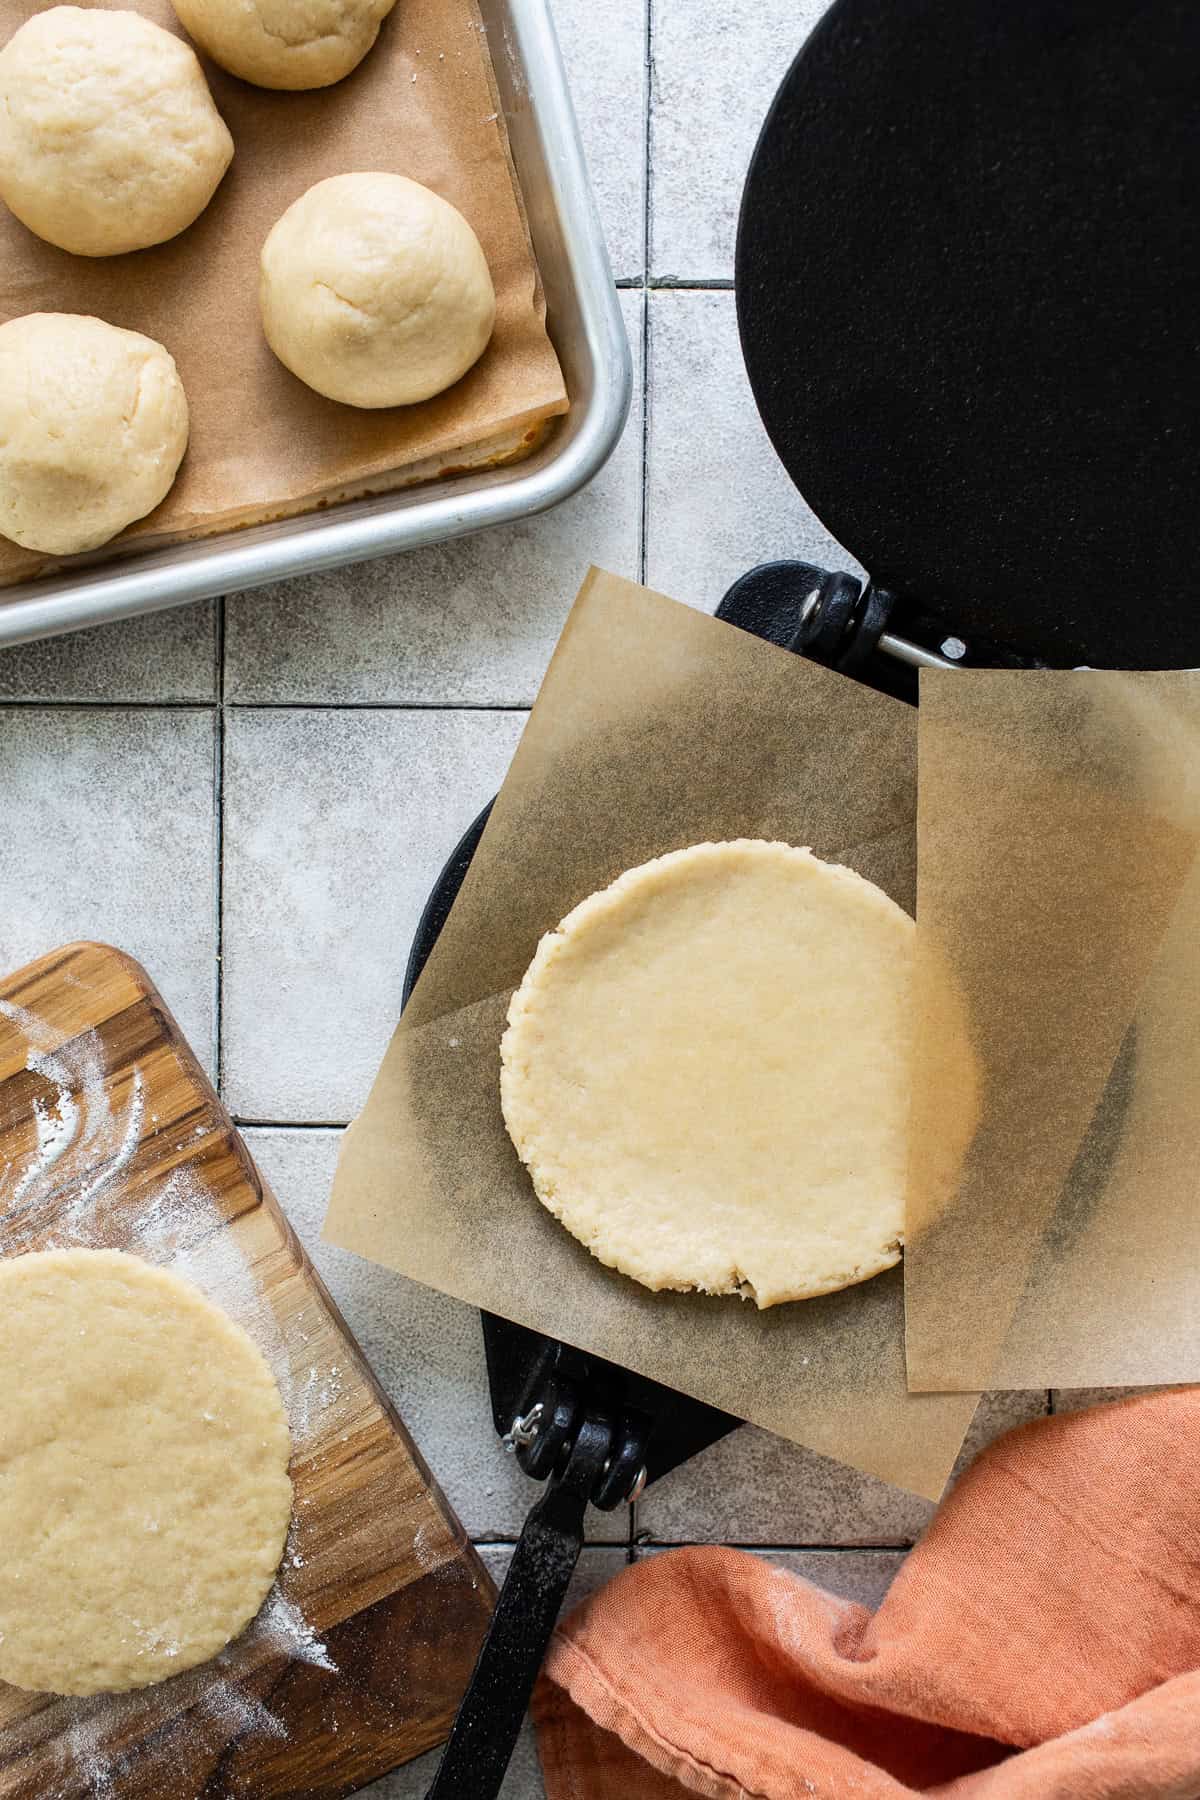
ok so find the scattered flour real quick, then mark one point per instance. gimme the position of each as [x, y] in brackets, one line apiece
[88, 1739]
[281, 1624]
[94, 1744]
[426, 1546]
[317, 1392]
[56, 1122]
[120, 1158]
[80, 1117]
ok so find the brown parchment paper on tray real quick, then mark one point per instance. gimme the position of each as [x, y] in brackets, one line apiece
[1059, 822]
[656, 727]
[421, 103]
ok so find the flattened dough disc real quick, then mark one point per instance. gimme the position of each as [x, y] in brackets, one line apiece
[706, 1070]
[144, 1489]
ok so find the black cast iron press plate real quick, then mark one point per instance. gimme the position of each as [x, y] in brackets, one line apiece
[968, 283]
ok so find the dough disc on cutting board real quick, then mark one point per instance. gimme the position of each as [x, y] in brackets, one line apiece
[707, 1070]
[144, 1489]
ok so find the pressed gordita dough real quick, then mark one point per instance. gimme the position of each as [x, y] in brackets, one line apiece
[93, 426]
[109, 139]
[706, 1070]
[144, 1490]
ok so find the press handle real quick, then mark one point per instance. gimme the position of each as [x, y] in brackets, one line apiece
[489, 1719]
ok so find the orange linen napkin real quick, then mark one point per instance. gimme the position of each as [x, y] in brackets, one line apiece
[1042, 1642]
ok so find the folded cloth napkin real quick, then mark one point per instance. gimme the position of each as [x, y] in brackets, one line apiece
[1042, 1642]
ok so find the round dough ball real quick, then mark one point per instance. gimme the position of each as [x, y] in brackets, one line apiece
[93, 426]
[109, 139]
[285, 43]
[143, 1485]
[707, 1070]
[375, 291]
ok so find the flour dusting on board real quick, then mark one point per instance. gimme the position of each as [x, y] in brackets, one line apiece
[56, 1121]
[181, 1227]
[90, 1733]
[238, 1712]
[122, 1155]
[210, 1703]
[282, 1621]
[80, 1117]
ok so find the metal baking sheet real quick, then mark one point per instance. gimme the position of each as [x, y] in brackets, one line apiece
[588, 333]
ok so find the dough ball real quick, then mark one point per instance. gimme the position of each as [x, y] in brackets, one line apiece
[144, 1478]
[109, 139]
[375, 291]
[93, 426]
[285, 43]
[707, 1071]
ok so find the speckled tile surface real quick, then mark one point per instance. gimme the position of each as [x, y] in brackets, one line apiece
[254, 796]
[604, 49]
[110, 832]
[752, 1488]
[714, 70]
[336, 824]
[167, 656]
[1078, 1399]
[718, 500]
[863, 1576]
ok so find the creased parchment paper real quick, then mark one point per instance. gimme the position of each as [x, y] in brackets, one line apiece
[656, 727]
[1059, 823]
[421, 103]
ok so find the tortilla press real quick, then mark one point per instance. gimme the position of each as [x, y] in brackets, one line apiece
[968, 287]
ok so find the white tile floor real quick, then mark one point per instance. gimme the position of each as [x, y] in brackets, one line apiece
[253, 796]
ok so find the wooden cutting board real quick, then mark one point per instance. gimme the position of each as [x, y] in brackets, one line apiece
[110, 1135]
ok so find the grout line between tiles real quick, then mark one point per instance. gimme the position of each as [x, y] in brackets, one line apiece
[690, 284]
[219, 649]
[647, 140]
[637, 1544]
[226, 706]
[894, 1549]
[647, 202]
[506, 1543]
[644, 497]
[51, 705]
[366, 706]
[219, 873]
[289, 1124]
